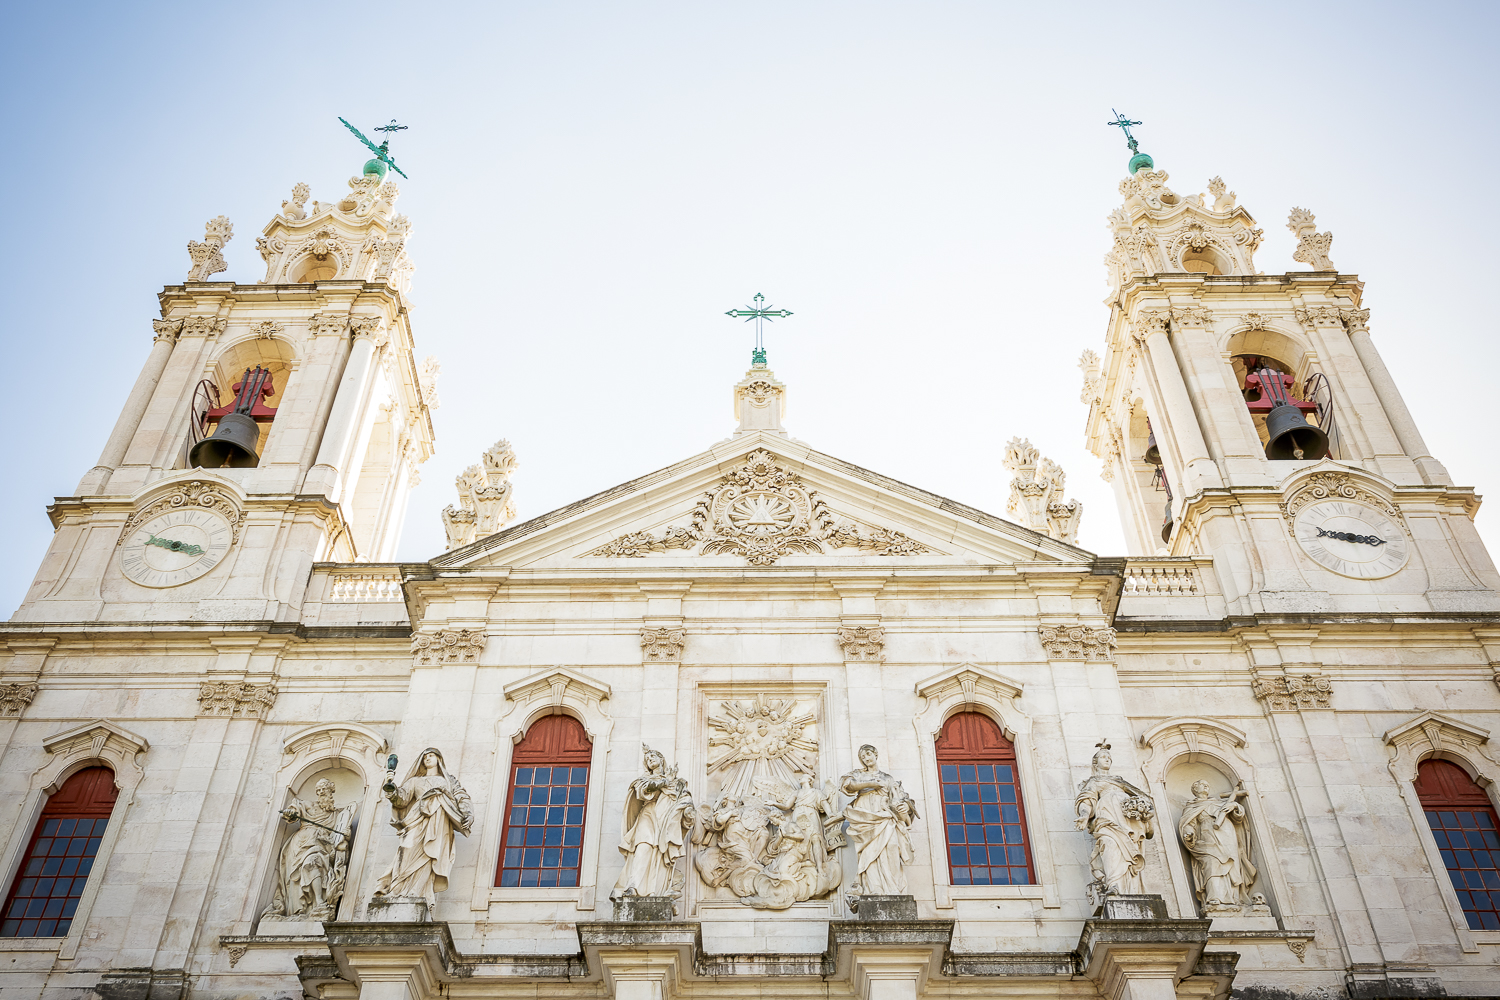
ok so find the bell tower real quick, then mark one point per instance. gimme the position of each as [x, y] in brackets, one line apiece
[1249, 417]
[273, 425]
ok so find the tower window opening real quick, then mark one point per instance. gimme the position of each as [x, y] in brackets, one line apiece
[1279, 410]
[1467, 831]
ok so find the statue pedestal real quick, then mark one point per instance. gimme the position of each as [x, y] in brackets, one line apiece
[1148, 907]
[1135, 952]
[884, 907]
[634, 909]
[400, 909]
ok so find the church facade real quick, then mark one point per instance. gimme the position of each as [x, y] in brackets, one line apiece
[762, 722]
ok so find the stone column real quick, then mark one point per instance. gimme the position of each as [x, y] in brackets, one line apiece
[344, 423]
[1198, 469]
[1393, 402]
[135, 406]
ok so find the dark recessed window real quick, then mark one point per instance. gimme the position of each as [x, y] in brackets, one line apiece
[1465, 827]
[984, 818]
[60, 857]
[542, 842]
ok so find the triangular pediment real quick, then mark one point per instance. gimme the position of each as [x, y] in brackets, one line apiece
[760, 500]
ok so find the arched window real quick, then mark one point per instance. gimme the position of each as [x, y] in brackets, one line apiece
[549, 789]
[1465, 827]
[60, 856]
[983, 815]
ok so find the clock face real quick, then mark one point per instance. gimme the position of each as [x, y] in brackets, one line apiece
[176, 547]
[1351, 539]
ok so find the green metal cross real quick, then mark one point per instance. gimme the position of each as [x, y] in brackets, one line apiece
[760, 314]
[1124, 125]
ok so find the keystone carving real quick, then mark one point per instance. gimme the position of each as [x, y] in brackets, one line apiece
[1078, 642]
[15, 697]
[266, 329]
[431, 649]
[665, 643]
[862, 643]
[235, 698]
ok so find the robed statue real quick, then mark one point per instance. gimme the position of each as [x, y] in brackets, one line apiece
[314, 861]
[1119, 815]
[879, 819]
[428, 809]
[1216, 832]
[658, 814]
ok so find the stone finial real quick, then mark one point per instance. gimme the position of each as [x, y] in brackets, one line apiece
[427, 376]
[1312, 246]
[1036, 493]
[295, 209]
[208, 256]
[485, 501]
[759, 402]
[1088, 363]
[1222, 202]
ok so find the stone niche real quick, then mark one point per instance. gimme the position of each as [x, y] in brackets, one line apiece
[309, 878]
[1253, 907]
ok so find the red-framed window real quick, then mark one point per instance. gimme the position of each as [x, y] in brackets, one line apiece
[983, 815]
[549, 789]
[60, 857]
[1467, 832]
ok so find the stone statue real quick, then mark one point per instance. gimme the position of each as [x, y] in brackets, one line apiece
[427, 810]
[879, 819]
[1216, 832]
[658, 814]
[1118, 814]
[772, 848]
[314, 861]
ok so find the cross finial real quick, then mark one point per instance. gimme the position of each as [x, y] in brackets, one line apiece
[391, 130]
[760, 314]
[1125, 124]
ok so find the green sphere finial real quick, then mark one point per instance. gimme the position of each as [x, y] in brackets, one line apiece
[1140, 161]
[376, 167]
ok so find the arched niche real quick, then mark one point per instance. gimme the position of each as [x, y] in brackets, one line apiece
[1184, 751]
[1206, 260]
[228, 367]
[349, 755]
[310, 864]
[1273, 349]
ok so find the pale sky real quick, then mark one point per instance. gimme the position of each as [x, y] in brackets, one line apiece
[592, 185]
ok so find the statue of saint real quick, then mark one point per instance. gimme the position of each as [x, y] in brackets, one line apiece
[879, 819]
[427, 810]
[1118, 814]
[658, 814]
[314, 861]
[1216, 831]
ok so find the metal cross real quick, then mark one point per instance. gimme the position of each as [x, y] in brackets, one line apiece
[393, 128]
[760, 314]
[1121, 121]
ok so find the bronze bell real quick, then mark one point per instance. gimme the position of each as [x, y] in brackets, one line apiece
[232, 444]
[1290, 436]
[1153, 453]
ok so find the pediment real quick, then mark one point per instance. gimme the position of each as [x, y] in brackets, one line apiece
[760, 500]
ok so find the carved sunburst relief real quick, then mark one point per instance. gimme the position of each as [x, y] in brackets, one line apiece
[761, 511]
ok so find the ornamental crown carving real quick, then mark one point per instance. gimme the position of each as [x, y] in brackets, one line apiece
[1036, 493]
[1312, 246]
[357, 237]
[208, 256]
[1158, 231]
[1336, 486]
[486, 501]
[431, 649]
[761, 511]
[235, 698]
[1088, 363]
[191, 494]
[1078, 642]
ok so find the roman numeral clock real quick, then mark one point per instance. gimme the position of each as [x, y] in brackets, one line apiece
[1351, 539]
[176, 547]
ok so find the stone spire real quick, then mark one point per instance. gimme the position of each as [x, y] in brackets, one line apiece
[759, 401]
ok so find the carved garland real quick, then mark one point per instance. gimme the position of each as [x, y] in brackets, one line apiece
[761, 511]
[193, 494]
[1337, 486]
[235, 698]
[1292, 693]
[448, 646]
[1078, 642]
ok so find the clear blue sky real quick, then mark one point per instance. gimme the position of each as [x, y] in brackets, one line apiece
[924, 184]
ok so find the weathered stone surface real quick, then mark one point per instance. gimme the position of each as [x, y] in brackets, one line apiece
[884, 907]
[635, 909]
[1143, 907]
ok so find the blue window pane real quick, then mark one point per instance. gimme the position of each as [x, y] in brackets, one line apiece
[557, 814]
[543, 776]
[993, 834]
[534, 836]
[560, 796]
[1017, 854]
[580, 776]
[966, 772]
[1007, 793]
[991, 814]
[971, 793]
[514, 836]
[572, 836]
[1004, 773]
[533, 857]
[510, 877]
[1466, 819]
[512, 857]
[950, 792]
[569, 857]
[536, 817]
[70, 866]
[1490, 919]
[1486, 821]
[528, 877]
[521, 796]
[997, 855]
[956, 856]
[568, 878]
[576, 795]
[66, 827]
[955, 834]
[523, 775]
[554, 837]
[1010, 814]
[50, 827]
[953, 813]
[978, 856]
[547, 877]
[575, 815]
[961, 876]
[550, 857]
[1013, 835]
[518, 817]
[986, 772]
[51, 866]
[972, 814]
[950, 772]
[988, 793]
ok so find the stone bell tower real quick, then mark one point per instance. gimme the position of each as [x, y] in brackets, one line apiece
[326, 453]
[1249, 417]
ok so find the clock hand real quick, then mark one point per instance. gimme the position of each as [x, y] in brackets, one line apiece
[1346, 536]
[186, 548]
